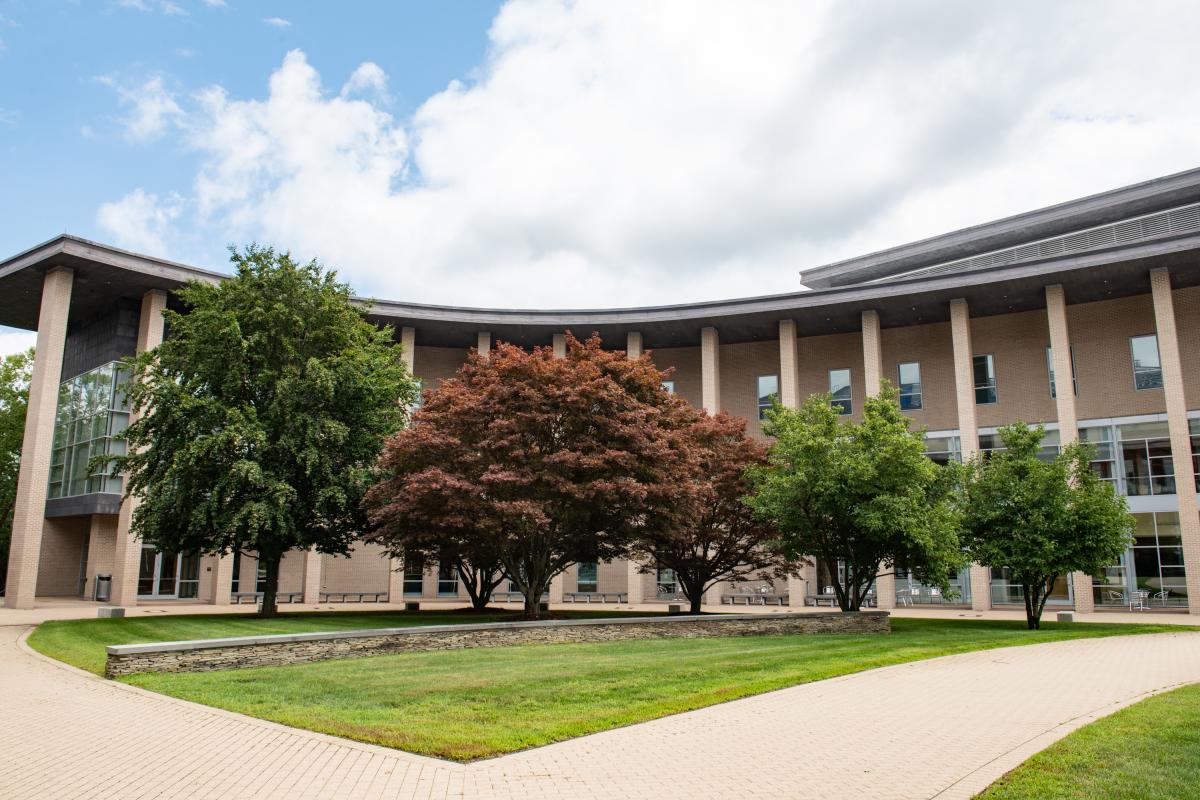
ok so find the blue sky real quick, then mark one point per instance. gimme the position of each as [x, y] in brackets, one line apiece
[576, 153]
[62, 146]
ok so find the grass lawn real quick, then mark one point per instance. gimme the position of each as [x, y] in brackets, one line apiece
[470, 704]
[1149, 750]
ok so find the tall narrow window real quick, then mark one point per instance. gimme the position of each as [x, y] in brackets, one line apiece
[839, 388]
[586, 577]
[768, 393]
[414, 575]
[1147, 368]
[447, 579]
[910, 386]
[984, 368]
[1050, 371]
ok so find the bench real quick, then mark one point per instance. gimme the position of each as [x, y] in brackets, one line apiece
[354, 597]
[755, 599]
[256, 597]
[513, 597]
[821, 599]
[588, 597]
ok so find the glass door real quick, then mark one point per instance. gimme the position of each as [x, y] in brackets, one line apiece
[158, 573]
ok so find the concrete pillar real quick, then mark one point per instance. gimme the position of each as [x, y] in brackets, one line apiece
[408, 347]
[484, 344]
[1177, 424]
[797, 588]
[222, 585]
[712, 597]
[395, 580]
[789, 364]
[29, 506]
[312, 576]
[968, 430]
[710, 370]
[128, 555]
[560, 345]
[634, 583]
[556, 588]
[872, 343]
[633, 344]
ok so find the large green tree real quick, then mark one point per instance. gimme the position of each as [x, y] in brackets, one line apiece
[1042, 519]
[262, 415]
[540, 460]
[860, 495]
[15, 370]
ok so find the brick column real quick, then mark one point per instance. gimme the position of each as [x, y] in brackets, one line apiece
[556, 588]
[872, 342]
[968, 430]
[408, 347]
[1064, 402]
[483, 344]
[634, 583]
[633, 344]
[128, 556]
[560, 345]
[312, 576]
[408, 344]
[395, 580]
[713, 596]
[710, 370]
[1177, 424]
[29, 506]
[789, 364]
[222, 585]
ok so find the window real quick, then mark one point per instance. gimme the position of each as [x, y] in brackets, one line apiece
[992, 443]
[1005, 591]
[669, 387]
[910, 386]
[1146, 457]
[585, 580]
[839, 388]
[1104, 463]
[768, 393]
[942, 449]
[447, 579]
[667, 586]
[1147, 368]
[414, 575]
[93, 413]
[1154, 564]
[984, 368]
[1050, 371]
[1194, 428]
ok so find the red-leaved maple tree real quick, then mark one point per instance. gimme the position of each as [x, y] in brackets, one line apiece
[540, 461]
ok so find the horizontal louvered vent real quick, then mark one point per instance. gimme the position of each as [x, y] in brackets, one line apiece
[1184, 219]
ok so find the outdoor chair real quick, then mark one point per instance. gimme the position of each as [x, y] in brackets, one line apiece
[1138, 601]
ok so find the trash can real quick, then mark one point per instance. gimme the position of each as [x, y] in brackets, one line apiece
[103, 588]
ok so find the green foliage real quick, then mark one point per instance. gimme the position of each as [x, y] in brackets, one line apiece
[1042, 518]
[262, 415]
[15, 370]
[861, 494]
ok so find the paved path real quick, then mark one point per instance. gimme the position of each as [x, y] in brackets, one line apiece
[943, 728]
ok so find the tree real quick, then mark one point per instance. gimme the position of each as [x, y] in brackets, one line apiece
[262, 416]
[1042, 519]
[15, 371]
[551, 460]
[863, 496]
[711, 534]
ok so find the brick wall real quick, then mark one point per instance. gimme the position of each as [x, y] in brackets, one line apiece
[303, 648]
[741, 366]
[62, 553]
[686, 363]
[1103, 363]
[432, 364]
[366, 570]
[819, 354]
[931, 347]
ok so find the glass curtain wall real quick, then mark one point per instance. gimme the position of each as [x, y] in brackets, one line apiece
[1154, 566]
[93, 413]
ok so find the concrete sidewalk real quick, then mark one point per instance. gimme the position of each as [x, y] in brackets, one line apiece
[941, 728]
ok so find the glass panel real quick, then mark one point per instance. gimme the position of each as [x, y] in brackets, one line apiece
[1147, 369]
[667, 586]
[447, 579]
[146, 570]
[90, 412]
[669, 386]
[909, 376]
[984, 370]
[414, 575]
[586, 580]
[167, 573]
[768, 392]
[839, 388]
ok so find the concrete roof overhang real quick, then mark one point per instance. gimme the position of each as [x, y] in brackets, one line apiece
[104, 275]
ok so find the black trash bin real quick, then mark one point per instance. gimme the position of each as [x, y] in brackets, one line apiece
[103, 589]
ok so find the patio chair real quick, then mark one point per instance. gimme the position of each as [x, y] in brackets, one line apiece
[1138, 600]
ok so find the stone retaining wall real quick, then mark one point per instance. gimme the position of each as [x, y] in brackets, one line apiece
[258, 651]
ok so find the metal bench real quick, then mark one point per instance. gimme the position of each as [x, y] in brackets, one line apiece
[821, 599]
[513, 597]
[354, 597]
[754, 599]
[256, 597]
[588, 597]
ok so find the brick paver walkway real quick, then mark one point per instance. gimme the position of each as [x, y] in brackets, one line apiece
[943, 728]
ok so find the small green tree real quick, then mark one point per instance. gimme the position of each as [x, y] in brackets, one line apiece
[15, 370]
[864, 495]
[262, 415]
[1042, 519]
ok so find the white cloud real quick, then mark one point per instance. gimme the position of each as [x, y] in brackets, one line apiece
[152, 108]
[277, 22]
[167, 7]
[14, 340]
[9, 118]
[215, 3]
[139, 220]
[621, 153]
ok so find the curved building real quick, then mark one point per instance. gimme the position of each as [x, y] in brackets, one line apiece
[1084, 316]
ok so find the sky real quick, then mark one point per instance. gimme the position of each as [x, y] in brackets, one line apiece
[556, 154]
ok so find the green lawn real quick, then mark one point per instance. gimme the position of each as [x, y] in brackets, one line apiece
[1148, 751]
[471, 704]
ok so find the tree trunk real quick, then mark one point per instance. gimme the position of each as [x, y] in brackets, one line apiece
[270, 605]
[1033, 617]
[533, 600]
